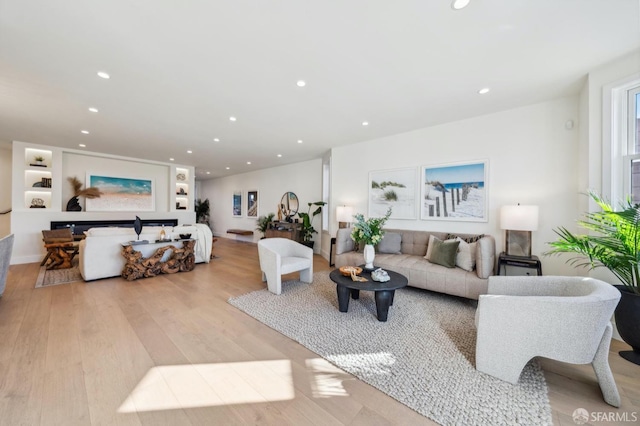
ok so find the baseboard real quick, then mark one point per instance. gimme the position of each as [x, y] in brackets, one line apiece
[18, 260]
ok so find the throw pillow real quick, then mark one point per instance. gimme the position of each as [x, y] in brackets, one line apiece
[430, 245]
[466, 257]
[391, 243]
[444, 253]
[469, 240]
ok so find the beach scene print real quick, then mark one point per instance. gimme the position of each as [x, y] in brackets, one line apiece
[395, 189]
[455, 192]
[121, 194]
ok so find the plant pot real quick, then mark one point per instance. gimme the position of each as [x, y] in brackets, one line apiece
[628, 323]
[309, 244]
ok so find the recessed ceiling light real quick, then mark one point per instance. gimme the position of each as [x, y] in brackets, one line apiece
[299, 141]
[232, 119]
[171, 159]
[189, 152]
[84, 132]
[92, 109]
[248, 162]
[81, 145]
[227, 168]
[104, 75]
[279, 155]
[301, 83]
[459, 4]
[208, 173]
[216, 140]
[484, 90]
[365, 123]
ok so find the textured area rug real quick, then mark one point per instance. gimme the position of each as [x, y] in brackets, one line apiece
[423, 356]
[58, 276]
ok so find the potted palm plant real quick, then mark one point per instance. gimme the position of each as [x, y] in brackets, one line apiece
[308, 230]
[202, 210]
[614, 243]
[263, 223]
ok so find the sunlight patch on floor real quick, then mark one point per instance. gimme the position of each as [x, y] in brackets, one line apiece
[326, 379]
[204, 385]
[366, 363]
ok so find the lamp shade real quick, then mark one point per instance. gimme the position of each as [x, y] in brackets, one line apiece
[519, 218]
[344, 214]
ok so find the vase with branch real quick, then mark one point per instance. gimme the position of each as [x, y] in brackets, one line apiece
[92, 192]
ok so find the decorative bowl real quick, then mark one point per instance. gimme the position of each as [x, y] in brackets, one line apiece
[185, 236]
[346, 270]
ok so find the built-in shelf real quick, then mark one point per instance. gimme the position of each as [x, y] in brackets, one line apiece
[38, 178]
[183, 189]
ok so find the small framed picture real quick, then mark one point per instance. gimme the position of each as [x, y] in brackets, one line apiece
[252, 203]
[237, 203]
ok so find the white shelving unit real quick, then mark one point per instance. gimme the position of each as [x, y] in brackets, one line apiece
[36, 185]
[184, 186]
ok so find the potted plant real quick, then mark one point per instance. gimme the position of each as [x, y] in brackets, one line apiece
[613, 242]
[39, 160]
[307, 230]
[202, 211]
[370, 233]
[263, 223]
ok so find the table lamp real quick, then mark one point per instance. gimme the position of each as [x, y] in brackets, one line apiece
[344, 214]
[518, 222]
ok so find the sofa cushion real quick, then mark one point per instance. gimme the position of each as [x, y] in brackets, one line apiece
[391, 243]
[444, 252]
[466, 256]
[485, 257]
[109, 231]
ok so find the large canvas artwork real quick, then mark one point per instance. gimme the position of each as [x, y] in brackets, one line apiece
[395, 189]
[121, 194]
[455, 192]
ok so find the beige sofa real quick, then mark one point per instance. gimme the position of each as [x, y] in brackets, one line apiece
[100, 252]
[421, 273]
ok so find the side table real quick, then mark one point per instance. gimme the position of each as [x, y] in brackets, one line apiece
[505, 260]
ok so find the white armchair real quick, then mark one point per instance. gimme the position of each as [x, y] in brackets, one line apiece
[563, 318]
[6, 247]
[279, 256]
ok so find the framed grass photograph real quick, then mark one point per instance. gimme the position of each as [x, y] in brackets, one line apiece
[120, 193]
[393, 188]
[252, 203]
[456, 191]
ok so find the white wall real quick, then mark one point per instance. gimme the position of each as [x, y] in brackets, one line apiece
[532, 160]
[5, 189]
[304, 179]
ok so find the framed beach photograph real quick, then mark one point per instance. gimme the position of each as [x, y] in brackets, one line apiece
[456, 191]
[252, 203]
[393, 188]
[237, 203]
[120, 194]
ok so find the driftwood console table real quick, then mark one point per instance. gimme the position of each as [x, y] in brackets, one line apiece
[180, 259]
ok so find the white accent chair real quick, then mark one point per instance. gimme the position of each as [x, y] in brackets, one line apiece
[6, 247]
[279, 256]
[562, 318]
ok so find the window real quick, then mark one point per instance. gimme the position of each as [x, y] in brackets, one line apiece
[631, 182]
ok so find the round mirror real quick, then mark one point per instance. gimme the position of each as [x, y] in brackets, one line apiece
[289, 205]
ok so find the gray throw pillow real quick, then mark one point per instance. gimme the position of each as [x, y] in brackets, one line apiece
[391, 243]
[444, 253]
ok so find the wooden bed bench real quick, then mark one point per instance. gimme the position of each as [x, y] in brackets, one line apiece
[239, 231]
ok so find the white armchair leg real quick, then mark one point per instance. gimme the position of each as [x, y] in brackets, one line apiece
[603, 371]
[274, 283]
[306, 275]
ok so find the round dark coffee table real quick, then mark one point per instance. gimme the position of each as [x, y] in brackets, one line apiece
[384, 292]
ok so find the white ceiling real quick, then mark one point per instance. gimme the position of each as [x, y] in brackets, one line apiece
[180, 69]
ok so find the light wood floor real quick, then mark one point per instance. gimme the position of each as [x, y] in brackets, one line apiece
[171, 350]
